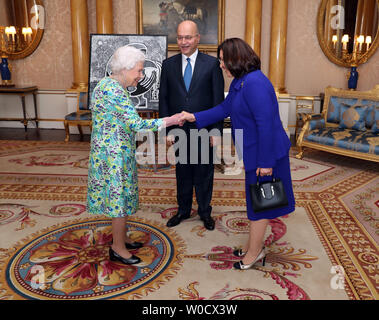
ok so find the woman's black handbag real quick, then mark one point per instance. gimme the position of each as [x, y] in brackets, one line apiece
[268, 195]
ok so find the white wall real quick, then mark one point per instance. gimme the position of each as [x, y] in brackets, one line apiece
[51, 104]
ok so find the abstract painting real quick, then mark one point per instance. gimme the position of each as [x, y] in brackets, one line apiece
[102, 48]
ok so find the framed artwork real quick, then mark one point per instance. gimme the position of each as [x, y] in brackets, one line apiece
[163, 17]
[102, 47]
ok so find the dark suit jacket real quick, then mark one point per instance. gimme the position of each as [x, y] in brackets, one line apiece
[206, 90]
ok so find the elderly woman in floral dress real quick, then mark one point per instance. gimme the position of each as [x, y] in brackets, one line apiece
[112, 172]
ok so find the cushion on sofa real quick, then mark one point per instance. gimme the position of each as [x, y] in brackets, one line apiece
[316, 121]
[375, 126]
[353, 117]
[372, 117]
[372, 111]
[334, 108]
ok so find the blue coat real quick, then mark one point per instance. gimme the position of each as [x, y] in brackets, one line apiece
[252, 106]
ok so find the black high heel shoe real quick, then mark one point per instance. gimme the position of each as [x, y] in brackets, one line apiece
[239, 253]
[114, 256]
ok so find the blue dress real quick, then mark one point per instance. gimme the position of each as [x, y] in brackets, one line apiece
[112, 169]
[257, 132]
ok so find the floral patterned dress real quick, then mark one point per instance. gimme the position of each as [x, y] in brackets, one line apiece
[112, 168]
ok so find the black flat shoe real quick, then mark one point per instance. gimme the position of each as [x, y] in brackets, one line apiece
[175, 220]
[113, 256]
[209, 223]
[134, 245]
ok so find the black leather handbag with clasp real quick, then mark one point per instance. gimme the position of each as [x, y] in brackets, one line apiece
[268, 195]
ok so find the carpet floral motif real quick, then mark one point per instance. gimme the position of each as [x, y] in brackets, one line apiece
[283, 260]
[361, 204]
[52, 160]
[227, 293]
[72, 262]
[11, 212]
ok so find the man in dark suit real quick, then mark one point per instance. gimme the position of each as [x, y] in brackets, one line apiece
[191, 81]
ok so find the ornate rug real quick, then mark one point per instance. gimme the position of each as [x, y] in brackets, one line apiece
[51, 248]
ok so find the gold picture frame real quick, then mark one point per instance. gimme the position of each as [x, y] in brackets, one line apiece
[324, 19]
[159, 17]
[34, 13]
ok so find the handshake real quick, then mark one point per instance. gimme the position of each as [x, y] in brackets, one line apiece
[179, 119]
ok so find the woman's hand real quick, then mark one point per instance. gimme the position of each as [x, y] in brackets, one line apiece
[173, 120]
[186, 116]
[264, 172]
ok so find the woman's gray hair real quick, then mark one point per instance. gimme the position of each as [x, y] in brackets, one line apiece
[125, 57]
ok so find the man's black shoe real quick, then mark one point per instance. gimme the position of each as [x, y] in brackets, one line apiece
[175, 220]
[209, 223]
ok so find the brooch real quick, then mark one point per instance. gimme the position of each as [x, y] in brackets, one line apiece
[241, 84]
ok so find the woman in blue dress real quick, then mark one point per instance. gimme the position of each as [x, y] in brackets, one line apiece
[253, 108]
[112, 170]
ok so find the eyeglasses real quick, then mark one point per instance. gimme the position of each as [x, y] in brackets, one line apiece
[188, 38]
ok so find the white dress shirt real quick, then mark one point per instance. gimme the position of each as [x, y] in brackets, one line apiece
[192, 61]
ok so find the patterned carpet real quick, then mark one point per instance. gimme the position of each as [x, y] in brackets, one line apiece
[50, 248]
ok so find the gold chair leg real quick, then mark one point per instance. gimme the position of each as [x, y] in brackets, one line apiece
[67, 129]
[80, 130]
[300, 154]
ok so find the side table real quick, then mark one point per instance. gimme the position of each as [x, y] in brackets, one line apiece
[22, 92]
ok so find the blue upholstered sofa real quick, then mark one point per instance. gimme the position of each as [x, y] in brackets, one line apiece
[348, 125]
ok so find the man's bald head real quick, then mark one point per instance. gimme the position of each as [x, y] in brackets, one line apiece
[188, 25]
[188, 37]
